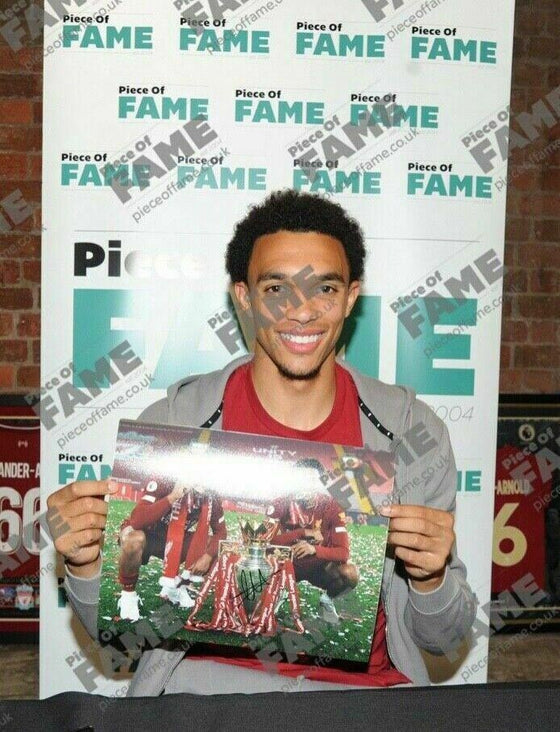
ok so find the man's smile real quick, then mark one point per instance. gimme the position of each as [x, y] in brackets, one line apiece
[298, 342]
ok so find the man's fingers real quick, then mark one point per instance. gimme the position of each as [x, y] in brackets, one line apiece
[80, 489]
[425, 562]
[72, 543]
[89, 504]
[415, 525]
[418, 542]
[423, 527]
[426, 513]
[87, 521]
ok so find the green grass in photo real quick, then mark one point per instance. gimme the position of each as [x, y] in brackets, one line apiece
[349, 640]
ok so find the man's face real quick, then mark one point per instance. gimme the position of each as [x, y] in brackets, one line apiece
[299, 294]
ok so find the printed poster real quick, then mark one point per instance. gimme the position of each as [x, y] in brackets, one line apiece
[248, 540]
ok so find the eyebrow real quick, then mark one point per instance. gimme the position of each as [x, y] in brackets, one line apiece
[282, 276]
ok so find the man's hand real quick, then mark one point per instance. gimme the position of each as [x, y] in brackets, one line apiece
[76, 516]
[303, 549]
[315, 535]
[422, 538]
[202, 564]
[177, 492]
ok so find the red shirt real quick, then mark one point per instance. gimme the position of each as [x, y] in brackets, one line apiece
[243, 412]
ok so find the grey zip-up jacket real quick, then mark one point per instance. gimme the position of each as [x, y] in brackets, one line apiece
[392, 419]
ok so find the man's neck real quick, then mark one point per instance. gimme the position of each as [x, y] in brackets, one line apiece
[297, 403]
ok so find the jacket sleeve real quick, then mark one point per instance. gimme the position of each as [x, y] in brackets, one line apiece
[83, 596]
[438, 620]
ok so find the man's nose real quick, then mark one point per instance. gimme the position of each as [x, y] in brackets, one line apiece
[305, 311]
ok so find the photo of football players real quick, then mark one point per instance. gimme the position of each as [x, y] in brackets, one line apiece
[178, 524]
[314, 525]
[241, 541]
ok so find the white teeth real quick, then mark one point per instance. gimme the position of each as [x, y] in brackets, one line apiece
[300, 338]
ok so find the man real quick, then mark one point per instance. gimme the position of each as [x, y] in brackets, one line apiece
[188, 516]
[314, 525]
[296, 262]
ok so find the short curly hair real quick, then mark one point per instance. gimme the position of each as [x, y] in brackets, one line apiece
[290, 210]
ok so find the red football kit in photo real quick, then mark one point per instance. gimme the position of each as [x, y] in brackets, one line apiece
[243, 412]
[326, 515]
[200, 525]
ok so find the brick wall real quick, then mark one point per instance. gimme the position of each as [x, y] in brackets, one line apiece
[531, 327]
[531, 317]
[20, 181]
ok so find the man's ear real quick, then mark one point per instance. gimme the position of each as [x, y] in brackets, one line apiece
[241, 291]
[353, 292]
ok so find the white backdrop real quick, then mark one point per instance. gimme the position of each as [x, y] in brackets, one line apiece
[131, 257]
